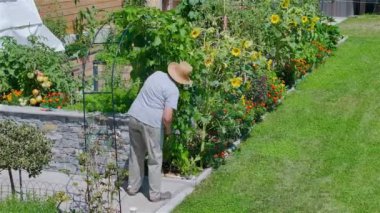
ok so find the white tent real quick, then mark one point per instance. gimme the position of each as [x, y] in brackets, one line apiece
[20, 19]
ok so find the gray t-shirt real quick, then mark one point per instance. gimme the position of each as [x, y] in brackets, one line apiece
[158, 92]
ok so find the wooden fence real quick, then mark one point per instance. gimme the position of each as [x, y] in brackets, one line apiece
[69, 10]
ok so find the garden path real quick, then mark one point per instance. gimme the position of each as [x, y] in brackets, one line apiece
[49, 183]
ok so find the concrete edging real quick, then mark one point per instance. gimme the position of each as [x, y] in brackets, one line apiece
[177, 199]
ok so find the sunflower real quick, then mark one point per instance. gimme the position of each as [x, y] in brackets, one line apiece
[275, 19]
[285, 4]
[209, 61]
[195, 32]
[315, 19]
[269, 64]
[255, 56]
[236, 82]
[304, 19]
[235, 52]
[247, 44]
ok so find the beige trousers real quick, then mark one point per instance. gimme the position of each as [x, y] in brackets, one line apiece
[145, 139]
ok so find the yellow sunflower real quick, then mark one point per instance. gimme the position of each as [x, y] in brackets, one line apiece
[255, 56]
[285, 4]
[269, 64]
[247, 44]
[236, 82]
[304, 19]
[195, 32]
[235, 51]
[275, 19]
[209, 61]
[315, 19]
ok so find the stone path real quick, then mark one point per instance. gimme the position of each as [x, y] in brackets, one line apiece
[50, 182]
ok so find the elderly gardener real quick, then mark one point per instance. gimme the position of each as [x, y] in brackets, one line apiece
[151, 115]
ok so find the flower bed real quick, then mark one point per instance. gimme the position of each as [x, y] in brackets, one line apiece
[244, 58]
[34, 75]
[241, 69]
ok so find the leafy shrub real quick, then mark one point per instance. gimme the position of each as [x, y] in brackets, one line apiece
[33, 71]
[23, 147]
[57, 26]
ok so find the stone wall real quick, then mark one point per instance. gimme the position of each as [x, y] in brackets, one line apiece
[65, 129]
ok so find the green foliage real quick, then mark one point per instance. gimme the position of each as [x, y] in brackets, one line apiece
[26, 68]
[55, 21]
[153, 39]
[123, 98]
[23, 147]
[57, 26]
[135, 2]
[241, 58]
[85, 27]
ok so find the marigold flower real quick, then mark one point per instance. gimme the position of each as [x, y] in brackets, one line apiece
[236, 82]
[17, 93]
[304, 19]
[195, 32]
[285, 4]
[235, 51]
[9, 97]
[275, 19]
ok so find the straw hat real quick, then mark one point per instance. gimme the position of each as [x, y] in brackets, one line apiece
[180, 72]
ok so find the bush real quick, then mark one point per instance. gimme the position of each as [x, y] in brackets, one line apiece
[23, 147]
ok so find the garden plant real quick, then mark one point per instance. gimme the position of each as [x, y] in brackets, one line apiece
[241, 69]
[245, 55]
[23, 147]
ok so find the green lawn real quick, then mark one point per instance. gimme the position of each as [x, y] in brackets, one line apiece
[320, 151]
[14, 205]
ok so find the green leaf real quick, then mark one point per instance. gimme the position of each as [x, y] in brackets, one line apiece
[157, 41]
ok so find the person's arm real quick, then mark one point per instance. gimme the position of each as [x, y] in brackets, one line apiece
[167, 119]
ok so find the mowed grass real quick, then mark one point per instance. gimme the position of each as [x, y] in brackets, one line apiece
[320, 151]
[14, 205]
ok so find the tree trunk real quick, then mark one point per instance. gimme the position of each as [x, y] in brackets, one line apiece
[12, 182]
[20, 179]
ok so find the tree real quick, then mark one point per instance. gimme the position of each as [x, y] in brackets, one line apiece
[23, 146]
